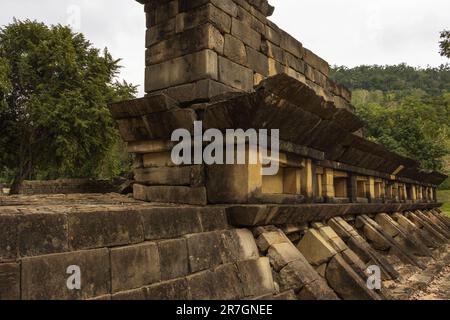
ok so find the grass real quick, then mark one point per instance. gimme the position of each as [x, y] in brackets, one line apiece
[444, 196]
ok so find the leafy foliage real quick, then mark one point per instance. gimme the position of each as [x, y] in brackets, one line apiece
[54, 91]
[445, 43]
[396, 78]
[411, 123]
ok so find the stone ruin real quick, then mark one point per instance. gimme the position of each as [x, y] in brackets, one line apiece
[339, 204]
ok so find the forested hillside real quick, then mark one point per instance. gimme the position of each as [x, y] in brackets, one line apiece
[405, 108]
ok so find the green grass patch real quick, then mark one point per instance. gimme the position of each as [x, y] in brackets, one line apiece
[444, 196]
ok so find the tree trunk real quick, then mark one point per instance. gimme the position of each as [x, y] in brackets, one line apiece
[19, 179]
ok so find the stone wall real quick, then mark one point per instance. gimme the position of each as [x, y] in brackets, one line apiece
[135, 250]
[198, 49]
[66, 186]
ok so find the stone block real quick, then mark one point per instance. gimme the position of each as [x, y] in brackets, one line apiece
[346, 282]
[228, 283]
[8, 237]
[297, 274]
[45, 277]
[142, 106]
[201, 286]
[156, 160]
[318, 290]
[204, 14]
[256, 277]
[291, 45]
[204, 251]
[98, 229]
[42, 234]
[281, 254]
[189, 68]
[212, 219]
[9, 281]
[267, 239]
[134, 266]
[193, 40]
[315, 248]
[235, 75]
[246, 34]
[170, 176]
[257, 61]
[273, 51]
[235, 50]
[336, 242]
[171, 222]
[169, 290]
[273, 35]
[159, 32]
[173, 258]
[238, 245]
[387, 224]
[221, 283]
[316, 62]
[200, 90]
[170, 194]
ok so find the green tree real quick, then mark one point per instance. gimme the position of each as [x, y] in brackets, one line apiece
[411, 123]
[54, 91]
[445, 43]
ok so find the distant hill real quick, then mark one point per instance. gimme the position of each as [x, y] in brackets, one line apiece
[394, 78]
[406, 109]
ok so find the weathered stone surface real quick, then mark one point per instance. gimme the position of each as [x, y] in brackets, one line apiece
[238, 245]
[203, 37]
[256, 277]
[221, 283]
[175, 176]
[134, 266]
[213, 219]
[235, 50]
[346, 282]
[8, 237]
[267, 239]
[246, 34]
[170, 194]
[189, 68]
[45, 277]
[207, 13]
[315, 248]
[257, 61]
[136, 294]
[104, 228]
[235, 75]
[168, 290]
[297, 274]
[173, 258]
[142, 106]
[159, 160]
[171, 222]
[42, 234]
[204, 251]
[9, 281]
[318, 290]
[280, 254]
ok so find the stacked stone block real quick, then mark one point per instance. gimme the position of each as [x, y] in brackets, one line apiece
[128, 252]
[198, 49]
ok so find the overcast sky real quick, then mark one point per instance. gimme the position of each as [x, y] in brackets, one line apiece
[344, 32]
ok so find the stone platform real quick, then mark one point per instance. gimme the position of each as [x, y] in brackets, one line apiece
[128, 249]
